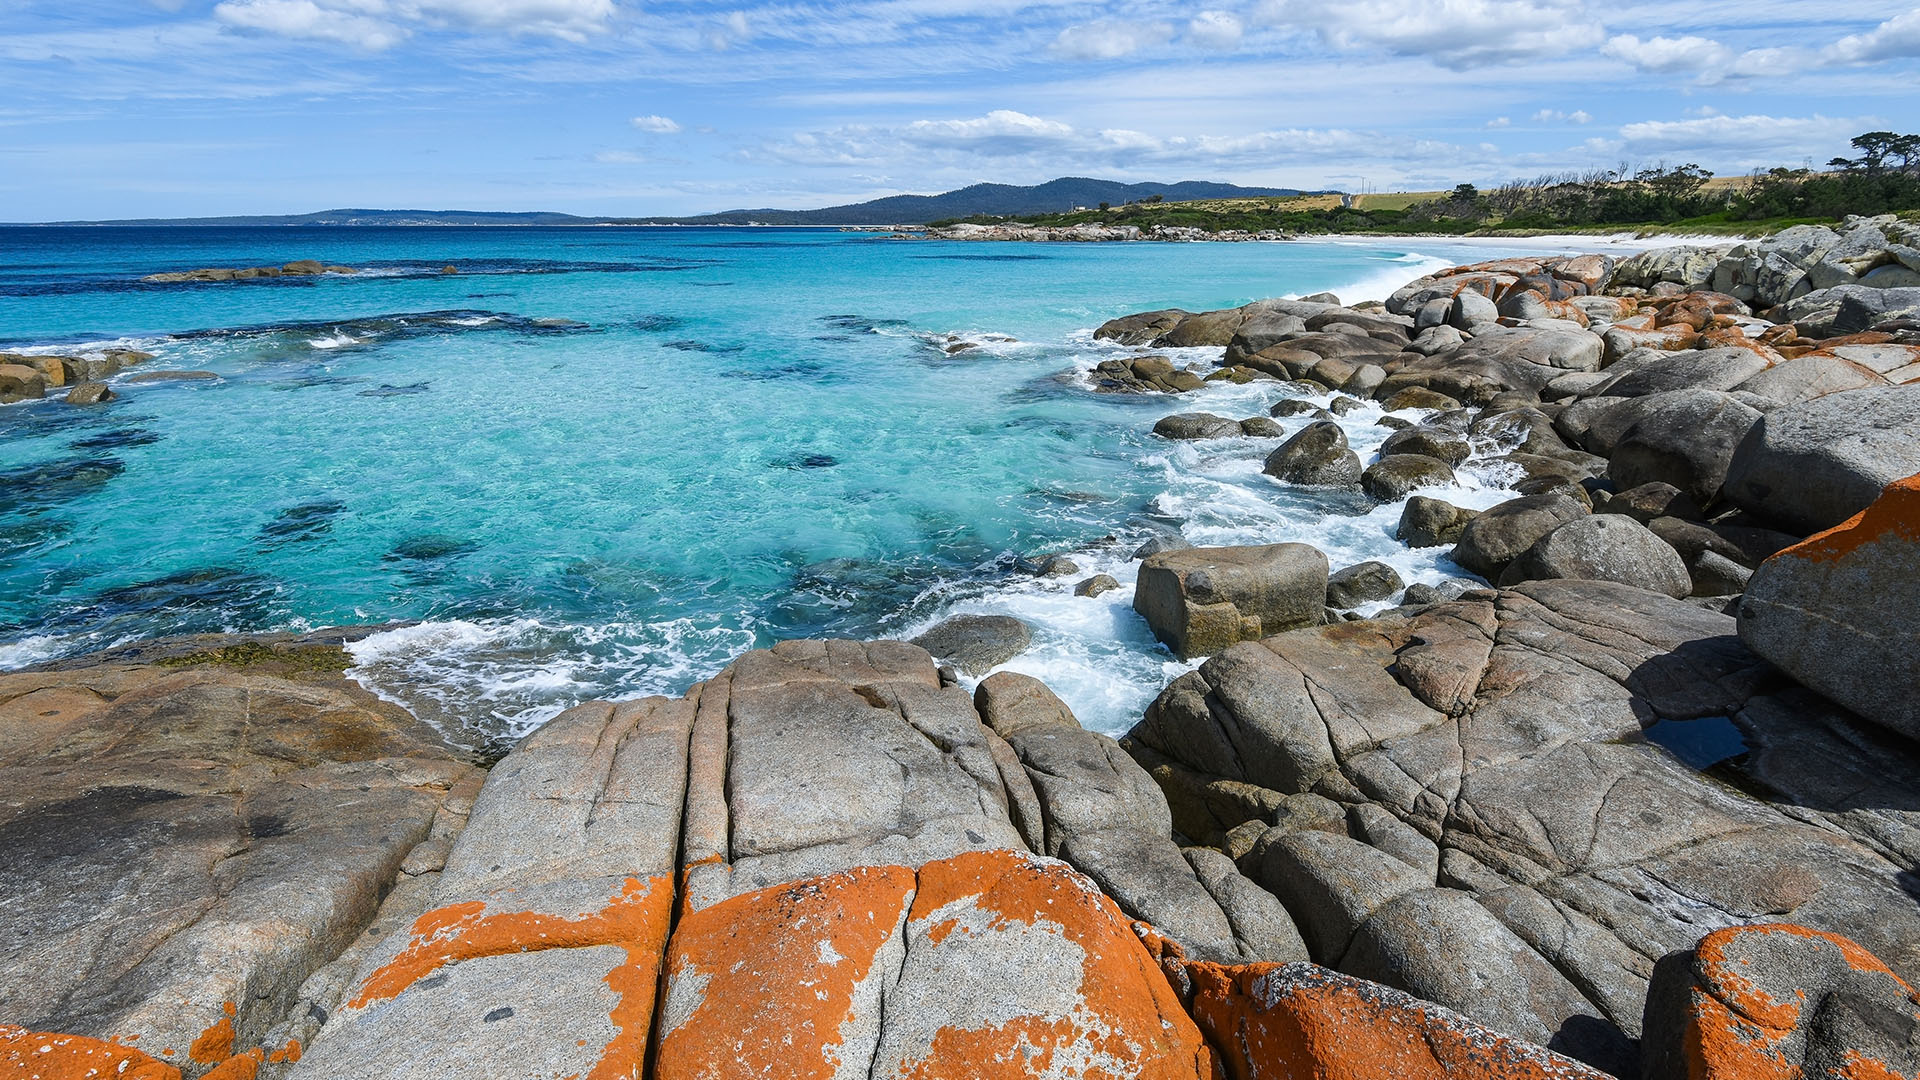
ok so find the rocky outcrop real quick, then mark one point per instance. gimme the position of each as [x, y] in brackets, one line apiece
[1495, 803]
[826, 859]
[1201, 600]
[1779, 1000]
[1837, 611]
[976, 644]
[187, 840]
[1142, 375]
[1813, 465]
[300, 268]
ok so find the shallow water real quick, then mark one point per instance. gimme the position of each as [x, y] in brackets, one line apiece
[602, 462]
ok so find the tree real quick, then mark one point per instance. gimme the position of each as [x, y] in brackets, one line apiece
[1465, 193]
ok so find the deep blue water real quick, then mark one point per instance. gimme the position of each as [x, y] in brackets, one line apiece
[603, 461]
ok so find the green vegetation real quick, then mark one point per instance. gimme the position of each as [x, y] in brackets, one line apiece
[1884, 178]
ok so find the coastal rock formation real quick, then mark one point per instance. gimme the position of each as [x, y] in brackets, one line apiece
[1201, 600]
[1813, 465]
[1837, 611]
[299, 268]
[1478, 804]
[823, 859]
[186, 841]
[1775, 1000]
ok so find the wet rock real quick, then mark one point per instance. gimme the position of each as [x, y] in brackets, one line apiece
[1196, 426]
[1260, 427]
[1651, 500]
[18, 382]
[1142, 328]
[172, 376]
[1201, 600]
[1430, 522]
[1394, 476]
[1316, 456]
[1836, 612]
[1159, 544]
[976, 644]
[90, 393]
[1362, 583]
[1446, 446]
[1502, 534]
[1095, 585]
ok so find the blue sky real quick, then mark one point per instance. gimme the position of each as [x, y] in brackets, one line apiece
[118, 108]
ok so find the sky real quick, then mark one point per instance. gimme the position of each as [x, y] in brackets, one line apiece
[148, 108]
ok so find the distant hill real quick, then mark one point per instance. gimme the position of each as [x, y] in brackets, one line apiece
[1001, 200]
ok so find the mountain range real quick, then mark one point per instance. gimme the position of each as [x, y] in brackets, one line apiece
[999, 200]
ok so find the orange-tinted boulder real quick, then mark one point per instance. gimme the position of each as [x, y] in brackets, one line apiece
[1298, 1020]
[1836, 611]
[1779, 1002]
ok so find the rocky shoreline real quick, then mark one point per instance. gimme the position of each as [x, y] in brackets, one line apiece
[1636, 799]
[1093, 233]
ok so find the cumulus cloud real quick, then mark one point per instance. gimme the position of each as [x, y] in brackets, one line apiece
[1005, 142]
[1746, 141]
[307, 20]
[1897, 37]
[656, 125]
[1500, 122]
[1109, 39]
[381, 24]
[1215, 30]
[1555, 116]
[1456, 34]
[1667, 54]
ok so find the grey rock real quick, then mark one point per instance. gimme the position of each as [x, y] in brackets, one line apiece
[90, 393]
[1195, 426]
[1316, 456]
[1260, 922]
[1260, 427]
[1394, 476]
[1686, 438]
[1837, 612]
[1095, 585]
[1503, 533]
[1430, 522]
[1201, 600]
[1604, 547]
[1813, 465]
[976, 644]
[1330, 884]
[1362, 583]
[1430, 442]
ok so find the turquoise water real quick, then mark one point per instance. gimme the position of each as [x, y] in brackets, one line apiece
[604, 461]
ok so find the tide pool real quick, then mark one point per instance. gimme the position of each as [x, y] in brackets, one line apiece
[603, 461]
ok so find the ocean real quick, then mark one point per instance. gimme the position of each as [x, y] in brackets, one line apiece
[601, 462]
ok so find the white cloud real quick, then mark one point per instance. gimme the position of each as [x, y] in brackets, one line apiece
[1215, 30]
[1001, 130]
[656, 125]
[1745, 141]
[1109, 40]
[1452, 33]
[618, 157]
[1897, 37]
[1500, 122]
[1555, 116]
[1668, 54]
[307, 20]
[381, 24]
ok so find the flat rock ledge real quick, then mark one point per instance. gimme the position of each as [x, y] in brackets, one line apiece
[827, 861]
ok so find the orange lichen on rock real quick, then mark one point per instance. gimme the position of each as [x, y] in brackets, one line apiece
[1121, 1019]
[1738, 1028]
[39, 1055]
[215, 1043]
[1894, 515]
[239, 1067]
[1277, 1022]
[637, 920]
[768, 983]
